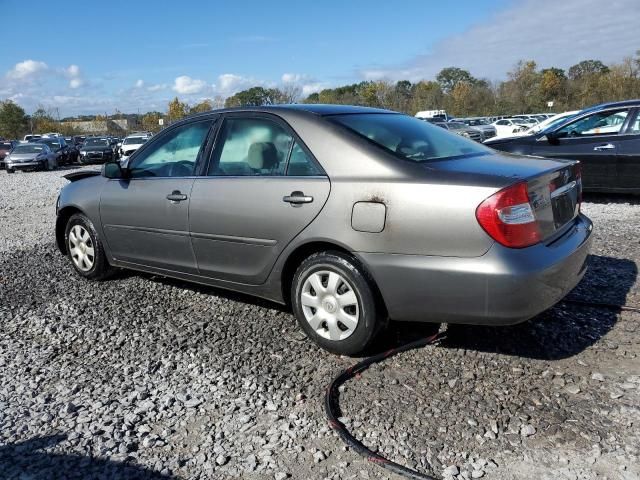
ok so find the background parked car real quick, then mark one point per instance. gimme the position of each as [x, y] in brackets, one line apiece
[74, 150]
[96, 149]
[59, 147]
[32, 138]
[31, 156]
[508, 127]
[130, 144]
[481, 124]
[461, 129]
[605, 138]
[5, 147]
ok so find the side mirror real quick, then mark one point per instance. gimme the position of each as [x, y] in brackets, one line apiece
[114, 170]
[552, 138]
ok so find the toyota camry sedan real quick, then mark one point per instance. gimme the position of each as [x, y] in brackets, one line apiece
[352, 216]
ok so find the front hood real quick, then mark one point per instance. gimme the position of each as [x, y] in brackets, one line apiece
[496, 169]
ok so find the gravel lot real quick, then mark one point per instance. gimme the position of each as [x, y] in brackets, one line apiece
[144, 377]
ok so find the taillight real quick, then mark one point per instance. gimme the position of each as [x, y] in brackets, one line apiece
[508, 218]
[577, 170]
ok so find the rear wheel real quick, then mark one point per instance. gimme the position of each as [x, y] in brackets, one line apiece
[10, 170]
[85, 250]
[333, 300]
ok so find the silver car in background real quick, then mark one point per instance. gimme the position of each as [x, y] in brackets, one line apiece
[31, 156]
[351, 215]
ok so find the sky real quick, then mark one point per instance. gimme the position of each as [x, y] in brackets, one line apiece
[96, 57]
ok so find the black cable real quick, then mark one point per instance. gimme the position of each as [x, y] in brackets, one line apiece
[331, 399]
[332, 409]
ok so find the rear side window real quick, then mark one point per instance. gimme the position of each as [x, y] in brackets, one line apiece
[409, 138]
[300, 164]
[251, 147]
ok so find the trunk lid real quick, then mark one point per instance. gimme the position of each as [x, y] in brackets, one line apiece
[554, 186]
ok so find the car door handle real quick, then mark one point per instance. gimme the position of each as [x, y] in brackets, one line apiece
[176, 196]
[602, 148]
[297, 198]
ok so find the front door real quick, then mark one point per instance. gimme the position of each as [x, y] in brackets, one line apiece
[592, 139]
[628, 163]
[146, 217]
[262, 188]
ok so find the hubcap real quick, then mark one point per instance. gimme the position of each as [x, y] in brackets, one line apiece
[330, 305]
[81, 248]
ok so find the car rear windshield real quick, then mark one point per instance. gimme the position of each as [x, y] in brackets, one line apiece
[409, 138]
[28, 149]
[5, 145]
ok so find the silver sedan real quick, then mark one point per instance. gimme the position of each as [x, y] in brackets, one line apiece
[31, 156]
[351, 215]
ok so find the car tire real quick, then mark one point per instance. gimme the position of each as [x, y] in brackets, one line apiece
[10, 170]
[333, 299]
[85, 249]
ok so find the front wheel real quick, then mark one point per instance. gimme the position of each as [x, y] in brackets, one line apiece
[85, 250]
[10, 170]
[333, 300]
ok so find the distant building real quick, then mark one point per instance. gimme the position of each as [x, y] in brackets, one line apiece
[97, 127]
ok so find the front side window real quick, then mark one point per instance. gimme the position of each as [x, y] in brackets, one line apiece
[600, 123]
[409, 138]
[174, 154]
[251, 147]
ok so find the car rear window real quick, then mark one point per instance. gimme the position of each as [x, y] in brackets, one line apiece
[409, 138]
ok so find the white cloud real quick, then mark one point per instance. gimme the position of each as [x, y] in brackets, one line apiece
[157, 87]
[551, 32]
[76, 83]
[186, 85]
[293, 77]
[230, 83]
[309, 88]
[74, 75]
[27, 70]
[139, 83]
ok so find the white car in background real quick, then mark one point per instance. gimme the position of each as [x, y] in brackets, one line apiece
[510, 127]
[551, 121]
[130, 144]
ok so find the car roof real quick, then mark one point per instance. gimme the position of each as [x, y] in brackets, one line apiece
[315, 108]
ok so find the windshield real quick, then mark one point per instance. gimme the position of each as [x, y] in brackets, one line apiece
[409, 138]
[95, 142]
[28, 149]
[5, 145]
[476, 121]
[52, 143]
[457, 126]
[134, 140]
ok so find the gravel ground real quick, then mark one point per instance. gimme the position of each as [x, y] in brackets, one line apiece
[144, 377]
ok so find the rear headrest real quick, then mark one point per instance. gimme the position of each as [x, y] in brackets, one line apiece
[262, 156]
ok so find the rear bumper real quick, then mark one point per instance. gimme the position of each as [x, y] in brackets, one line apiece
[505, 286]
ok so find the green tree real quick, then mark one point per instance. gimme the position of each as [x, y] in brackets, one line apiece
[201, 107]
[587, 68]
[13, 120]
[150, 121]
[449, 77]
[177, 110]
[255, 96]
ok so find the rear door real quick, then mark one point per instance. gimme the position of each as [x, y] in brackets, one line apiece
[592, 139]
[262, 187]
[628, 159]
[146, 217]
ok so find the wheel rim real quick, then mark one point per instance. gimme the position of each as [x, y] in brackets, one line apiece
[330, 305]
[81, 248]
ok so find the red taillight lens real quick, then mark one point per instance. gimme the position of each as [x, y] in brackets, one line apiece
[508, 218]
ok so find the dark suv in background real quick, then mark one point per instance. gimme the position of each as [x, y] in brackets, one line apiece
[5, 147]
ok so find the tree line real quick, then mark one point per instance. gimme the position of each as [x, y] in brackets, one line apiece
[526, 89]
